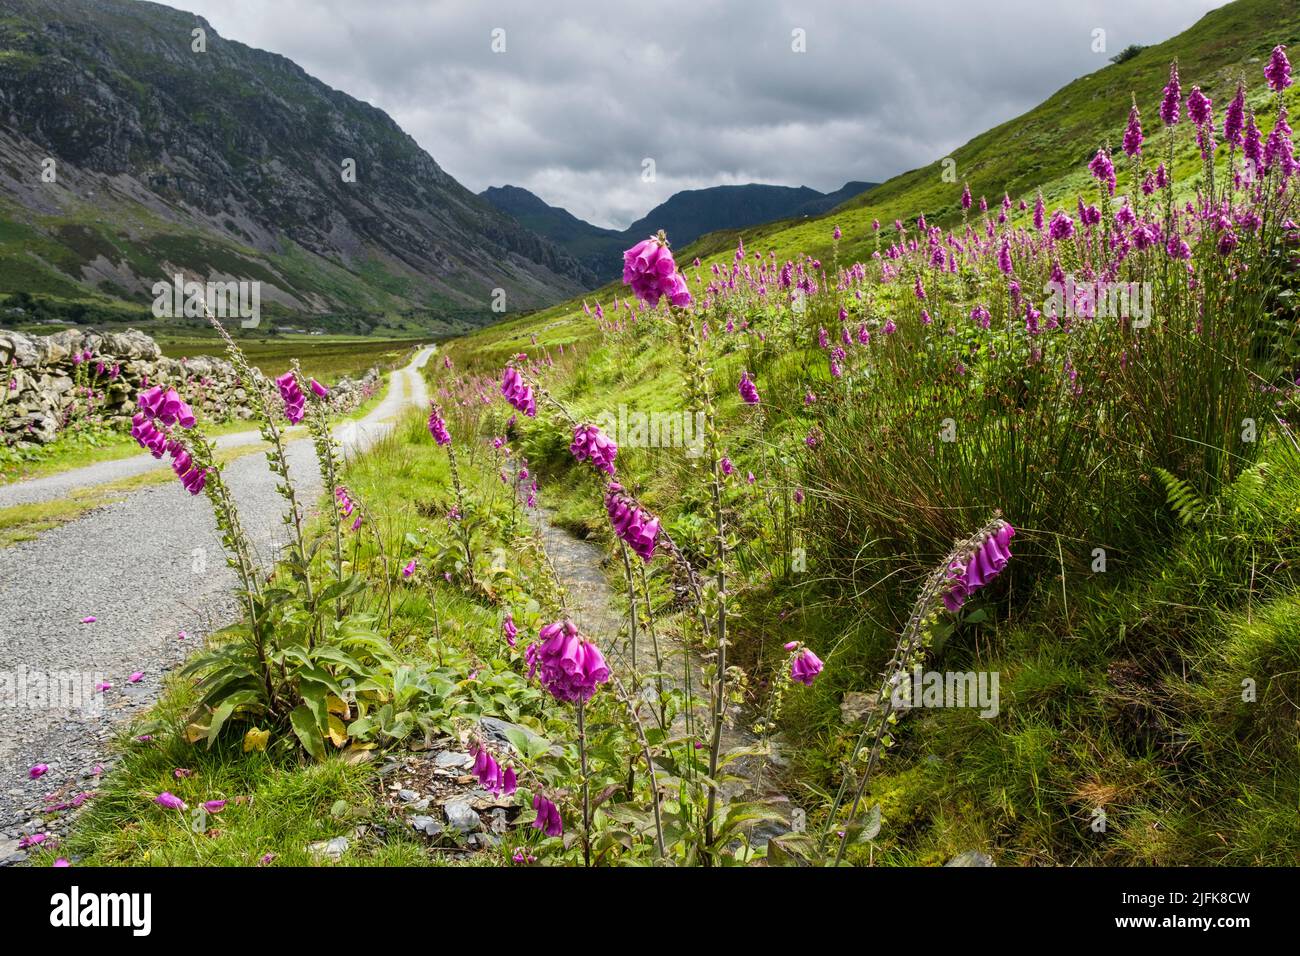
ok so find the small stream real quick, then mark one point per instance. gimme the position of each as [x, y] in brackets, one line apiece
[580, 566]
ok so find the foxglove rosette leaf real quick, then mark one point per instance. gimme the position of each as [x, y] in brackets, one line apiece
[568, 665]
[632, 523]
[968, 573]
[438, 426]
[589, 442]
[518, 392]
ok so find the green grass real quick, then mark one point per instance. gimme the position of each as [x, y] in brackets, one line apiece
[282, 802]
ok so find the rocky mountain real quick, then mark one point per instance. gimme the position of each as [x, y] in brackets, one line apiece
[599, 250]
[685, 216]
[135, 143]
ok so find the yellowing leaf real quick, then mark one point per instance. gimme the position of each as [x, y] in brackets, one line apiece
[338, 733]
[336, 705]
[195, 732]
[256, 740]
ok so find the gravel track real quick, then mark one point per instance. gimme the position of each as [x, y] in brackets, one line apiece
[147, 568]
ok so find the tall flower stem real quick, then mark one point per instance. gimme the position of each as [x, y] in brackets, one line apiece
[586, 787]
[909, 651]
[462, 525]
[631, 617]
[649, 762]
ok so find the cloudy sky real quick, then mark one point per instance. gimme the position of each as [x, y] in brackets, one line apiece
[712, 90]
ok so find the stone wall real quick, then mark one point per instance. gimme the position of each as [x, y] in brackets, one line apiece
[46, 382]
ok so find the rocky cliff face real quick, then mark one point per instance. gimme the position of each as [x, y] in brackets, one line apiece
[229, 162]
[47, 381]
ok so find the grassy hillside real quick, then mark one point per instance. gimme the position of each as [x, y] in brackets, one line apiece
[907, 462]
[1045, 149]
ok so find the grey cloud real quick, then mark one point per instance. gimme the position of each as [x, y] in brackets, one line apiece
[710, 90]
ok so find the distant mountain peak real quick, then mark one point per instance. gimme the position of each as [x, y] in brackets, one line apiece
[232, 162]
[684, 216]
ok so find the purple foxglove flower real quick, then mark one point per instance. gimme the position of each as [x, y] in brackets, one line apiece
[518, 392]
[805, 667]
[748, 392]
[649, 269]
[509, 630]
[319, 390]
[169, 801]
[589, 442]
[410, 568]
[1252, 146]
[569, 666]
[37, 771]
[214, 806]
[61, 862]
[1279, 151]
[291, 394]
[1172, 102]
[969, 574]
[637, 527]
[1199, 107]
[438, 427]
[1061, 226]
[548, 816]
[1278, 70]
[1234, 119]
[136, 677]
[1103, 170]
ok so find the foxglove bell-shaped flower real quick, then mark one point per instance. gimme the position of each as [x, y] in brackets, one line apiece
[590, 442]
[633, 524]
[548, 816]
[569, 666]
[1278, 70]
[518, 392]
[294, 400]
[489, 773]
[748, 391]
[804, 665]
[438, 426]
[648, 267]
[169, 801]
[969, 573]
[1172, 102]
[1133, 133]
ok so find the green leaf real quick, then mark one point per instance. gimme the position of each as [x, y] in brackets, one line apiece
[308, 731]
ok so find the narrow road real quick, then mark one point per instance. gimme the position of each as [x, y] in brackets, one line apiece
[151, 571]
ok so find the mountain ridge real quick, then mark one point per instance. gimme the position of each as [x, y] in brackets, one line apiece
[230, 162]
[684, 216]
